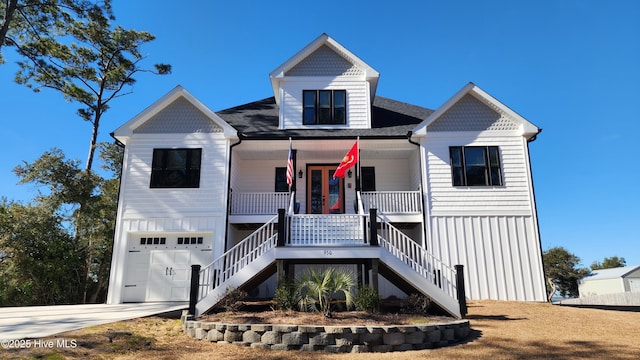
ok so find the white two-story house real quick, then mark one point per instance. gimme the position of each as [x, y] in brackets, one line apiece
[432, 189]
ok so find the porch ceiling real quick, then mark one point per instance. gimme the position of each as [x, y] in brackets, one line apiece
[309, 149]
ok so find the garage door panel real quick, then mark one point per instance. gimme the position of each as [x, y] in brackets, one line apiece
[182, 257]
[160, 272]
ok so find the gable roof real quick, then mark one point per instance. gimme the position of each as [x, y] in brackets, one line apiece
[259, 120]
[198, 117]
[613, 273]
[472, 93]
[320, 45]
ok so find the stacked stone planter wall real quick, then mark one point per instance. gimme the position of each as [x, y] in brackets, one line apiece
[336, 339]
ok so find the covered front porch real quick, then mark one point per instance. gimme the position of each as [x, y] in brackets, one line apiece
[387, 178]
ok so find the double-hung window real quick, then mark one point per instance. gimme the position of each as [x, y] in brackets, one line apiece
[475, 166]
[322, 107]
[176, 168]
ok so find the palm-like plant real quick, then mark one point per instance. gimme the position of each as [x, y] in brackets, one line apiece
[317, 288]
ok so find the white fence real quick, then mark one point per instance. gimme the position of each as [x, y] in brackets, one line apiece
[392, 202]
[258, 203]
[616, 299]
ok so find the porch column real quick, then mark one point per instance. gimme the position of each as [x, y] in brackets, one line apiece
[194, 289]
[294, 155]
[462, 297]
[373, 227]
[374, 274]
[281, 228]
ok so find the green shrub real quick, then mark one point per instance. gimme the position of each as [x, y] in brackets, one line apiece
[317, 289]
[367, 299]
[285, 295]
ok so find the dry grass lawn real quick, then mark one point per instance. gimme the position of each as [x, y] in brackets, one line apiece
[500, 330]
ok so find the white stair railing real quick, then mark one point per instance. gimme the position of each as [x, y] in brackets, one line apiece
[416, 257]
[236, 258]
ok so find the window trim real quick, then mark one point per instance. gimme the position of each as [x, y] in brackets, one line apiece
[159, 168]
[317, 107]
[493, 175]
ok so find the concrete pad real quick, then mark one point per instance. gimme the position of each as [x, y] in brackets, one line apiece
[41, 321]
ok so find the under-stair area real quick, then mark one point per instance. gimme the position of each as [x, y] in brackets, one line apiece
[329, 239]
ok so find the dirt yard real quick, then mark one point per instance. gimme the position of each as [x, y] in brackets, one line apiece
[500, 330]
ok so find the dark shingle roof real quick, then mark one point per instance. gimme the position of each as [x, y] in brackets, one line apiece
[259, 120]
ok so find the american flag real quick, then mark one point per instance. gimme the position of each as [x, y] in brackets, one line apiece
[290, 166]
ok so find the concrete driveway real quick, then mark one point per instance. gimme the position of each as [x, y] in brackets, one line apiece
[41, 321]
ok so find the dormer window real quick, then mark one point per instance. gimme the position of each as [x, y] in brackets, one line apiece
[324, 107]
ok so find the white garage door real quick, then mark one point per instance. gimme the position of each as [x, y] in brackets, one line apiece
[162, 271]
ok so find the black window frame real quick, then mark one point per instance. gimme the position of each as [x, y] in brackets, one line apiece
[368, 178]
[318, 112]
[464, 173]
[281, 184]
[162, 173]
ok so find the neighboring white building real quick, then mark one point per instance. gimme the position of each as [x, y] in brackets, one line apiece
[610, 281]
[451, 186]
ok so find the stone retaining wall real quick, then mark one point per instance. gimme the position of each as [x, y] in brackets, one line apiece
[335, 339]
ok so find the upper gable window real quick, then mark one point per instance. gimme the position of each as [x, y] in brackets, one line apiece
[475, 166]
[322, 107]
[176, 168]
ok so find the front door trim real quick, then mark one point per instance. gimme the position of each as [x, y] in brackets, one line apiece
[326, 169]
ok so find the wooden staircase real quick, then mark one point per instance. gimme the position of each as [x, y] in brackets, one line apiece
[401, 259]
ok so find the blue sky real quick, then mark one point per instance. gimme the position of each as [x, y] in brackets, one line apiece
[571, 67]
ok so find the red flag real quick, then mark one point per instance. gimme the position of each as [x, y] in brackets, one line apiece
[348, 161]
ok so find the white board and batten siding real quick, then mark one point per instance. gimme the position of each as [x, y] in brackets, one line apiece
[493, 230]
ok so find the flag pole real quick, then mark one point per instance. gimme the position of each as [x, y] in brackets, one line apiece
[358, 168]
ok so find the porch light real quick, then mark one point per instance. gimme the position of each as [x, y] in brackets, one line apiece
[300, 174]
[349, 173]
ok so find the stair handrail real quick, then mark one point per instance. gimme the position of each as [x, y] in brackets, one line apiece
[417, 257]
[235, 259]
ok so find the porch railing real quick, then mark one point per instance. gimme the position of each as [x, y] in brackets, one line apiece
[239, 256]
[392, 202]
[387, 202]
[327, 230]
[258, 203]
[418, 258]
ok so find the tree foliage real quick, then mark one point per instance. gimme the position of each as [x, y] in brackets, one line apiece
[50, 254]
[39, 260]
[609, 263]
[93, 64]
[562, 272]
[71, 46]
[24, 21]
